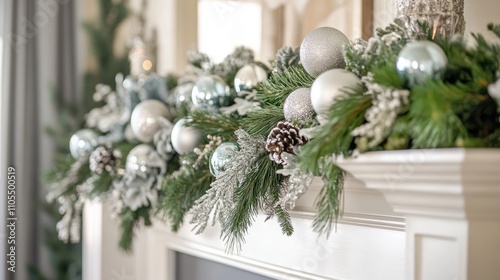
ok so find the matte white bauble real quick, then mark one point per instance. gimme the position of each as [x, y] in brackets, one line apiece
[329, 86]
[185, 139]
[145, 119]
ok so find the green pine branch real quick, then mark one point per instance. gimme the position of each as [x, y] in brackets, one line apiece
[334, 137]
[130, 221]
[284, 220]
[250, 197]
[261, 122]
[329, 199]
[495, 28]
[434, 113]
[181, 191]
[276, 89]
[214, 124]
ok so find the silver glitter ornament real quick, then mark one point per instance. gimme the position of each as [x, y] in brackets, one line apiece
[298, 105]
[138, 158]
[145, 119]
[211, 93]
[248, 77]
[446, 16]
[328, 87]
[182, 95]
[421, 61]
[185, 139]
[222, 157]
[82, 143]
[322, 50]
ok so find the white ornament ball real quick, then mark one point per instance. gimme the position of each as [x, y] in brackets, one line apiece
[185, 139]
[82, 143]
[138, 158]
[322, 50]
[248, 77]
[298, 105]
[329, 86]
[145, 119]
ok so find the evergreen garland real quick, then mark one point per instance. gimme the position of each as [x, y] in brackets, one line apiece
[383, 113]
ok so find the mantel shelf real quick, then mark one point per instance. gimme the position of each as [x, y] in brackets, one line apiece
[414, 214]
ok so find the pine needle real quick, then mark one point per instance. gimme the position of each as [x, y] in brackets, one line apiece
[329, 199]
[335, 136]
[261, 122]
[276, 89]
[129, 221]
[250, 197]
[181, 191]
[214, 124]
[433, 113]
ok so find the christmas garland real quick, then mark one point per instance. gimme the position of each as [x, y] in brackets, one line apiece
[228, 141]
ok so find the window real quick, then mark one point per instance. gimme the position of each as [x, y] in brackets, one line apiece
[224, 25]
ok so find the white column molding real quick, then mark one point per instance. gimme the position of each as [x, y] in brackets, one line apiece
[451, 201]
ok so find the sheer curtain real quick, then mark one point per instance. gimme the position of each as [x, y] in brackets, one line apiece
[38, 56]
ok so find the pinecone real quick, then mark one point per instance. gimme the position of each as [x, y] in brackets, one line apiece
[285, 58]
[101, 159]
[282, 139]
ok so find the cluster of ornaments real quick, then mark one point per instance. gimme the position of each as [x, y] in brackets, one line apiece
[150, 120]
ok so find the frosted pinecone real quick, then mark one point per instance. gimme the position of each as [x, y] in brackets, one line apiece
[285, 58]
[101, 159]
[283, 138]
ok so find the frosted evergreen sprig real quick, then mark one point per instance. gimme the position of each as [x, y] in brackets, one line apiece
[219, 199]
[387, 103]
[298, 182]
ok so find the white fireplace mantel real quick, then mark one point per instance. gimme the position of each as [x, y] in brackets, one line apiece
[418, 214]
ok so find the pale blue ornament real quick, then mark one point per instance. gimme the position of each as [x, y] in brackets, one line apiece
[82, 143]
[421, 61]
[222, 156]
[211, 93]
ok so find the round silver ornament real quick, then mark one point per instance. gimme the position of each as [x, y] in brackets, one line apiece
[248, 77]
[182, 95]
[421, 61]
[145, 119]
[138, 158]
[222, 156]
[298, 105]
[211, 93]
[185, 139]
[322, 50]
[328, 87]
[82, 143]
